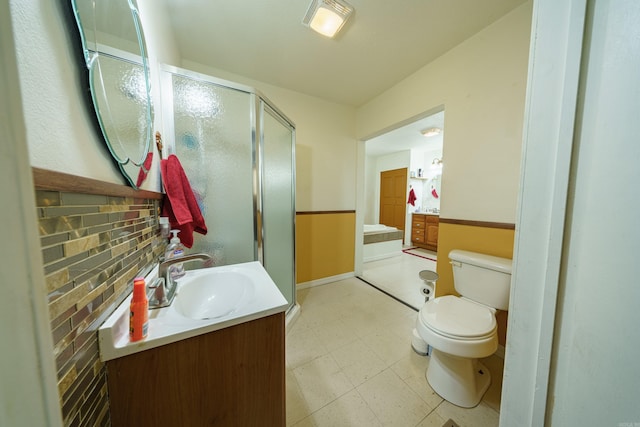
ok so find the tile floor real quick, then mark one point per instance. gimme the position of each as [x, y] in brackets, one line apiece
[398, 275]
[350, 363]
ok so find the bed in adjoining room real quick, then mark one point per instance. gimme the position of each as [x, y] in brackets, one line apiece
[381, 241]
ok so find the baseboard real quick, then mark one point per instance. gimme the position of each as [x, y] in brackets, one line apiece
[324, 280]
[291, 317]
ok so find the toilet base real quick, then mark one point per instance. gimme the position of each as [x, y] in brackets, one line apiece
[419, 345]
[458, 380]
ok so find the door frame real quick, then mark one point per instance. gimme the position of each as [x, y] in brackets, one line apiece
[548, 134]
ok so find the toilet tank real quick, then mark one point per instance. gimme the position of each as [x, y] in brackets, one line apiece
[482, 278]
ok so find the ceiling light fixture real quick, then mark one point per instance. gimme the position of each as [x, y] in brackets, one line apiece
[431, 132]
[327, 16]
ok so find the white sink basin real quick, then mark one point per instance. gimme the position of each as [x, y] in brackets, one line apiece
[212, 294]
[206, 300]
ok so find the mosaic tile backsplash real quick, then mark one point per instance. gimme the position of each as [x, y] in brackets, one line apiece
[92, 248]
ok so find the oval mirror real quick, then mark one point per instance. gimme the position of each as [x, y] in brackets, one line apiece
[115, 54]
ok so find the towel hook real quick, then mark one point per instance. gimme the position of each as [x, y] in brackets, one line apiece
[159, 143]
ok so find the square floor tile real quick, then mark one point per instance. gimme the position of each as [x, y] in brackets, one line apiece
[358, 362]
[432, 420]
[349, 410]
[480, 416]
[321, 381]
[388, 346]
[393, 402]
[303, 346]
[333, 335]
[296, 406]
[495, 365]
[412, 370]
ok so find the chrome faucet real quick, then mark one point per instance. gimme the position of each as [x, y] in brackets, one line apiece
[163, 289]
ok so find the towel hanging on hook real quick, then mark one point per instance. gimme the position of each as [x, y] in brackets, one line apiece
[412, 198]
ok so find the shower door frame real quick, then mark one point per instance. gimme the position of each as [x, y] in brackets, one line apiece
[257, 101]
[261, 103]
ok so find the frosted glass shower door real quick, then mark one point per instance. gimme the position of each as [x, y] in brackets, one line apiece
[278, 200]
[212, 135]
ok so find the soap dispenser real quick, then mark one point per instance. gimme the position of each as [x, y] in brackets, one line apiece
[175, 250]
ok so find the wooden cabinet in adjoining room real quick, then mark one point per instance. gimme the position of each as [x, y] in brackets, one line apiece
[431, 233]
[418, 226]
[424, 231]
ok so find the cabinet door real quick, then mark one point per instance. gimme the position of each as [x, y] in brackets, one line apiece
[231, 377]
[432, 234]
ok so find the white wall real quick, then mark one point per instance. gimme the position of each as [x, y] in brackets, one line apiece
[60, 133]
[161, 49]
[423, 187]
[59, 130]
[370, 214]
[325, 144]
[481, 84]
[28, 389]
[597, 344]
[160, 40]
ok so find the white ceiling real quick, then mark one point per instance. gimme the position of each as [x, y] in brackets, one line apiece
[408, 137]
[383, 42]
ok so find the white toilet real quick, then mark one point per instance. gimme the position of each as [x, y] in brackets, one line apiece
[462, 329]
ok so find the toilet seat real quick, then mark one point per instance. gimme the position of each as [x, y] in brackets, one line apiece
[457, 318]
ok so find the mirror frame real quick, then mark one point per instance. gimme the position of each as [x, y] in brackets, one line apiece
[133, 168]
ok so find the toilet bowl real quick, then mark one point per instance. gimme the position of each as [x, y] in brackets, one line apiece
[460, 330]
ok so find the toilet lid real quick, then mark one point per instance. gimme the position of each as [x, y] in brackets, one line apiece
[457, 317]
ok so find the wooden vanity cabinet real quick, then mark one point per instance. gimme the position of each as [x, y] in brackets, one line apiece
[230, 377]
[424, 231]
[418, 227]
[431, 233]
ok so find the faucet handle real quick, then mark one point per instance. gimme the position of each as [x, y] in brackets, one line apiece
[158, 294]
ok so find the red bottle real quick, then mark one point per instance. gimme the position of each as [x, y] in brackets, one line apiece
[139, 311]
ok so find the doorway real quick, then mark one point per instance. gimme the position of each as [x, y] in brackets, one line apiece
[393, 164]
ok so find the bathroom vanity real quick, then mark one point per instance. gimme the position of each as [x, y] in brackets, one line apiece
[424, 230]
[214, 356]
[233, 376]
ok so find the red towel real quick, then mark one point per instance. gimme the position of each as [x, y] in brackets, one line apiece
[412, 198]
[180, 205]
[144, 169]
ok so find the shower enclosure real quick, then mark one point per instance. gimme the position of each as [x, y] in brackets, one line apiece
[238, 152]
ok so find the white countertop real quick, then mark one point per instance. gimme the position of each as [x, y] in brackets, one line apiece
[166, 325]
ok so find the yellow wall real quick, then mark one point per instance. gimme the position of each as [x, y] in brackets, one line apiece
[325, 244]
[486, 240]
